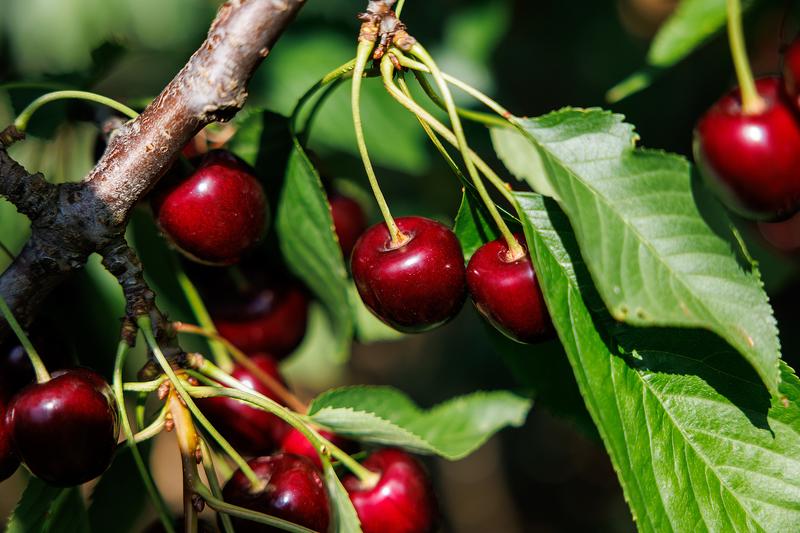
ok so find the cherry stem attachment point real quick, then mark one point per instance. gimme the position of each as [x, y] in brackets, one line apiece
[362, 56]
[42, 375]
[21, 123]
[163, 511]
[752, 103]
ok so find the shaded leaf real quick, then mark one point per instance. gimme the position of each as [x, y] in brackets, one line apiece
[345, 519]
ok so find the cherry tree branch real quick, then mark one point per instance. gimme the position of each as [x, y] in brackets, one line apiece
[71, 221]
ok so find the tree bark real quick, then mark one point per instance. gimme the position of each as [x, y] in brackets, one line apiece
[71, 221]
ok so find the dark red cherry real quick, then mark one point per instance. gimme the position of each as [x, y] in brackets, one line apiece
[413, 287]
[349, 221]
[295, 443]
[217, 213]
[16, 370]
[269, 319]
[294, 492]
[65, 430]
[507, 292]
[250, 430]
[8, 459]
[791, 72]
[402, 501]
[752, 161]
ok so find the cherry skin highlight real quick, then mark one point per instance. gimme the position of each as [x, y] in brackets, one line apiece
[349, 221]
[402, 501]
[294, 492]
[295, 443]
[8, 459]
[413, 287]
[752, 161]
[216, 214]
[251, 431]
[507, 292]
[65, 430]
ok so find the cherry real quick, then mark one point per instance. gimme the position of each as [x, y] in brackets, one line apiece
[402, 501]
[16, 370]
[507, 292]
[8, 459]
[349, 221]
[791, 72]
[217, 213]
[295, 443]
[65, 430]
[752, 161]
[250, 430]
[271, 318]
[417, 285]
[294, 492]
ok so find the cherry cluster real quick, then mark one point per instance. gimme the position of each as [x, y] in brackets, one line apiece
[748, 150]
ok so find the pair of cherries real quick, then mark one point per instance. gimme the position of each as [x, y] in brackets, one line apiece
[64, 430]
[421, 283]
[751, 160]
[401, 501]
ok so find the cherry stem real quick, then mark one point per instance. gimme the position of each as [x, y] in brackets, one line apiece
[334, 75]
[239, 391]
[399, 8]
[143, 386]
[42, 375]
[362, 56]
[270, 382]
[201, 314]
[145, 326]
[752, 103]
[222, 506]
[189, 445]
[156, 427]
[241, 282]
[213, 482]
[155, 496]
[21, 123]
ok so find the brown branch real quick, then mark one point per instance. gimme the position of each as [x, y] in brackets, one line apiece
[71, 221]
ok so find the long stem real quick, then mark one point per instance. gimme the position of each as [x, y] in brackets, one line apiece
[240, 392]
[752, 102]
[21, 123]
[143, 386]
[362, 56]
[42, 375]
[334, 75]
[399, 8]
[213, 482]
[270, 382]
[188, 445]
[153, 429]
[155, 496]
[222, 506]
[146, 327]
[201, 313]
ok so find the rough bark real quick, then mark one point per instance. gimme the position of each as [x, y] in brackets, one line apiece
[71, 221]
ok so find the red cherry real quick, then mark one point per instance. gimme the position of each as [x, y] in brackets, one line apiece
[791, 72]
[8, 459]
[65, 430]
[752, 161]
[507, 292]
[250, 430]
[295, 443]
[294, 492]
[349, 221]
[271, 319]
[415, 286]
[216, 214]
[402, 501]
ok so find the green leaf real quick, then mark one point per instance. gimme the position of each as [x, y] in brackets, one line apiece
[384, 415]
[308, 242]
[345, 519]
[650, 250]
[696, 441]
[473, 227]
[45, 509]
[118, 499]
[692, 24]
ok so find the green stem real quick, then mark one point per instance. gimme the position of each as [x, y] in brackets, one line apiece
[146, 327]
[201, 314]
[143, 386]
[362, 56]
[399, 8]
[213, 482]
[155, 496]
[239, 391]
[141, 408]
[240, 512]
[153, 429]
[334, 75]
[752, 103]
[24, 117]
[42, 375]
